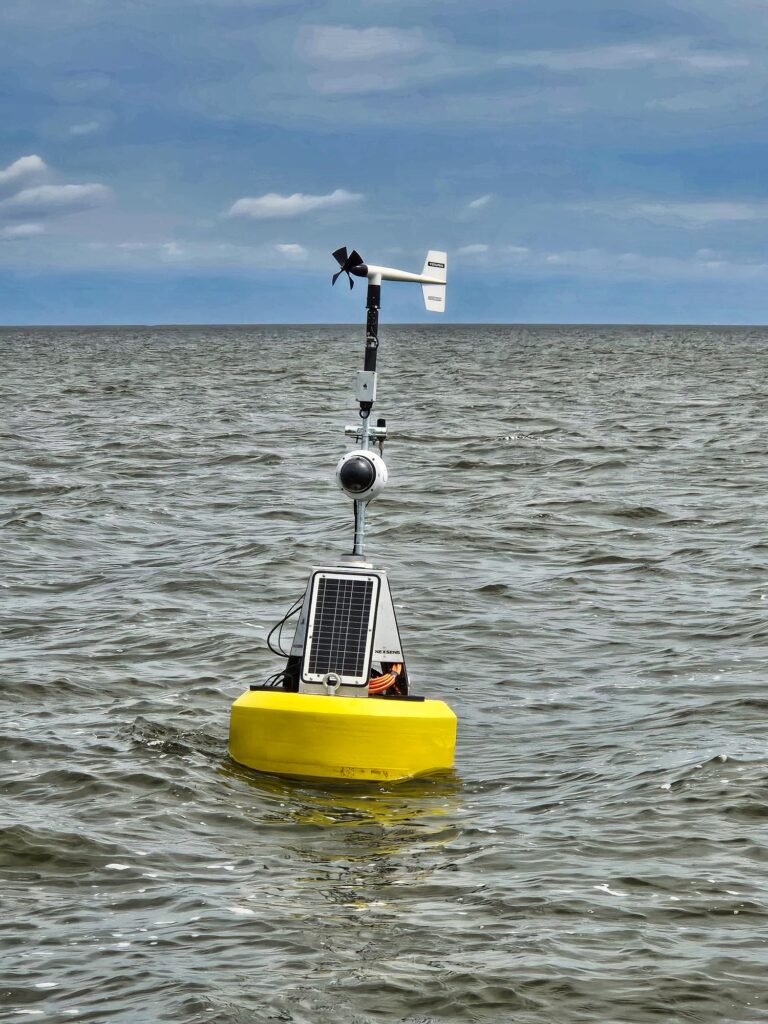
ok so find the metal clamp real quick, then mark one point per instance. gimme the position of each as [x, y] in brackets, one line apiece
[376, 433]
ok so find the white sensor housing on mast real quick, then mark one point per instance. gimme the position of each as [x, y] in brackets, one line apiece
[432, 277]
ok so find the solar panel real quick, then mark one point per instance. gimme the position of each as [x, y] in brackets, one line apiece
[340, 634]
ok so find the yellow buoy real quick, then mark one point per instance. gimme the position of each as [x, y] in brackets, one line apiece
[317, 736]
[341, 707]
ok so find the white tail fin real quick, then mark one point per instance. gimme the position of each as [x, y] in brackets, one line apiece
[436, 267]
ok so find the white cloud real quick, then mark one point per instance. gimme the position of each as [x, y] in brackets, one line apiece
[292, 250]
[514, 252]
[15, 231]
[604, 265]
[480, 202]
[190, 253]
[681, 214]
[273, 205]
[547, 85]
[627, 56]
[88, 128]
[700, 214]
[23, 170]
[355, 61]
[49, 200]
[338, 43]
[687, 102]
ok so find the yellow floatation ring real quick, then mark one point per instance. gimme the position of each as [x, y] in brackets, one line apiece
[328, 737]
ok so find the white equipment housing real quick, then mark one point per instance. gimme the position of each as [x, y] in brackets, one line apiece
[346, 623]
[379, 467]
[432, 279]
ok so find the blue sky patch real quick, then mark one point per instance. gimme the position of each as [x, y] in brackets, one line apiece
[198, 160]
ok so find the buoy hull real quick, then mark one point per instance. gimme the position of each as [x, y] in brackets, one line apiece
[324, 737]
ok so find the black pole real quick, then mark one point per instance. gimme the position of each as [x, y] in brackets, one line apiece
[373, 302]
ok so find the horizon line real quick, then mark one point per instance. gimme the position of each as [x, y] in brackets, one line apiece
[402, 323]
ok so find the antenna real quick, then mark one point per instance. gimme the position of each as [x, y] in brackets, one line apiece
[362, 474]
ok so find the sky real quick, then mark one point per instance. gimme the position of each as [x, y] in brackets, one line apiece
[196, 161]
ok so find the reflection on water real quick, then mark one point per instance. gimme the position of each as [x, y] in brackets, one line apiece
[355, 803]
[354, 841]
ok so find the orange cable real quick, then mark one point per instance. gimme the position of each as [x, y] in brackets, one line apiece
[379, 684]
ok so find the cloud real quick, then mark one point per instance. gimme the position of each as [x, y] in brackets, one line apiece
[687, 102]
[446, 75]
[21, 171]
[700, 214]
[88, 128]
[52, 200]
[16, 231]
[602, 264]
[357, 61]
[292, 250]
[682, 214]
[514, 252]
[480, 202]
[627, 56]
[338, 43]
[273, 205]
[198, 254]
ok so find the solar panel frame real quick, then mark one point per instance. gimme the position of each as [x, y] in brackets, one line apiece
[341, 627]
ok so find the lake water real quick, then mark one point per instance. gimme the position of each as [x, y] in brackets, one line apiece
[575, 529]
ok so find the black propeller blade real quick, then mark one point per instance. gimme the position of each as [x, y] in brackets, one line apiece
[348, 263]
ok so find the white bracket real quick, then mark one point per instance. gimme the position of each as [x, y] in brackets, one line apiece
[365, 386]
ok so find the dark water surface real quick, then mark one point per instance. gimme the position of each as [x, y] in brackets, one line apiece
[576, 533]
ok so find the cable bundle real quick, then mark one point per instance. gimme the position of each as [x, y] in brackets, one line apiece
[380, 684]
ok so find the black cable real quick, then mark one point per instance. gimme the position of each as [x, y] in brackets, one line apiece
[278, 628]
[278, 650]
[275, 680]
[283, 622]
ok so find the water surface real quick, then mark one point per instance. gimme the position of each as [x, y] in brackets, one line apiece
[575, 529]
